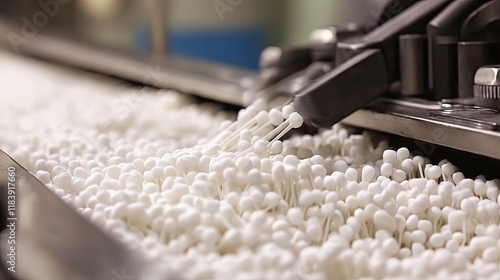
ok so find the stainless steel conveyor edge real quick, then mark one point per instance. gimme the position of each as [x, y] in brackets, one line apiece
[54, 241]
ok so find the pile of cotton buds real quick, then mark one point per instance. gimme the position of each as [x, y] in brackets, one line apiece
[242, 203]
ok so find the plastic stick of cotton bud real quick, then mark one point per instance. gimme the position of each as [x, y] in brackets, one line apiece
[274, 118]
[327, 211]
[250, 110]
[419, 162]
[294, 120]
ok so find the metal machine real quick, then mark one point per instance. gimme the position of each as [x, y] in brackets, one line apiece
[412, 67]
[424, 70]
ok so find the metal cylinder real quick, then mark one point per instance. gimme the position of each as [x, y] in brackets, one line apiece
[157, 15]
[413, 54]
[445, 68]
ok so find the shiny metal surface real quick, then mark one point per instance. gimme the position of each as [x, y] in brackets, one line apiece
[323, 36]
[455, 127]
[157, 15]
[208, 80]
[488, 75]
[487, 82]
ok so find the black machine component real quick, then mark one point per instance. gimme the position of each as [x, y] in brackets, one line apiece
[461, 36]
[413, 64]
[443, 35]
[361, 61]
[480, 44]
[471, 56]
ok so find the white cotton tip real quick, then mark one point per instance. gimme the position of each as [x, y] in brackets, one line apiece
[259, 104]
[412, 222]
[260, 146]
[272, 200]
[398, 175]
[384, 221]
[390, 156]
[390, 247]
[407, 166]
[467, 184]
[111, 184]
[426, 226]
[287, 110]
[275, 117]
[458, 177]
[246, 135]
[295, 216]
[433, 172]
[437, 240]
[257, 197]
[277, 147]
[291, 160]
[417, 249]
[351, 174]
[491, 255]
[295, 120]
[367, 173]
[243, 164]
[402, 154]
[469, 207]
[81, 172]
[305, 198]
[418, 160]
[456, 220]
[243, 145]
[448, 169]
[491, 192]
[258, 218]
[480, 189]
[386, 169]
[262, 118]
[318, 170]
[452, 245]
[246, 204]
[352, 203]
[346, 232]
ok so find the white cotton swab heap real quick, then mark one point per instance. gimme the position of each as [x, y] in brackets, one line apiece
[258, 133]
